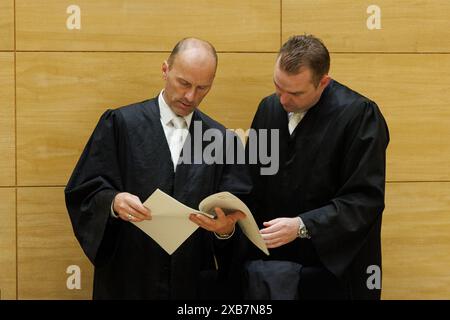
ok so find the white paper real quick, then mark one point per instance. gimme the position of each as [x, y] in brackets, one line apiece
[170, 225]
[229, 202]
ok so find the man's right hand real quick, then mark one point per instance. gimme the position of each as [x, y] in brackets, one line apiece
[130, 208]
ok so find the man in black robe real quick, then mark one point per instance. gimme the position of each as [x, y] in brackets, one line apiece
[322, 210]
[129, 155]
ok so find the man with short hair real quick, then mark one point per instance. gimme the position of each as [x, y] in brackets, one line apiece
[320, 214]
[133, 151]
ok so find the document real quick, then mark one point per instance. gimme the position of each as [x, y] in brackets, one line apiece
[170, 225]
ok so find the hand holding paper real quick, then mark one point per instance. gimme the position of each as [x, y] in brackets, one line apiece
[170, 225]
[221, 224]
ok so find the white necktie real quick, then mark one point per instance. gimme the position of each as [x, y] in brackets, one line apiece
[176, 139]
[294, 119]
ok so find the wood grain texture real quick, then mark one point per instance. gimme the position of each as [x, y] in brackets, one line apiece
[47, 247]
[416, 241]
[8, 243]
[148, 25]
[6, 25]
[406, 26]
[7, 129]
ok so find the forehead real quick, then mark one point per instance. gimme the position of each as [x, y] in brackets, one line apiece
[300, 81]
[195, 66]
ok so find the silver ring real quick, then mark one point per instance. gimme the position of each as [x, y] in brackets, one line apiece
[130, 217]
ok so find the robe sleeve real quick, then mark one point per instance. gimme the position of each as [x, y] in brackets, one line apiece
[92, 187]
[340, 228]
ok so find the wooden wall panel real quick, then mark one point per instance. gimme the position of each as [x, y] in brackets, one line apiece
[143, 25]
[405, 26]
[66, 93]
[61, 95]
[47, 247]
[6, 25]
[241, 82]
[7, 243]
[7, 131]
[412, 92]
[416, 241]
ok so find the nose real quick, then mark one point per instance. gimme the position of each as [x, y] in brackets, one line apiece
[283, 99]
[190, 94]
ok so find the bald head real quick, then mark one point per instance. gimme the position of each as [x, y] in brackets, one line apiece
[189, 74]
[194, 48]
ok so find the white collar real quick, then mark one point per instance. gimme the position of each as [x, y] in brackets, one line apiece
[167, 114]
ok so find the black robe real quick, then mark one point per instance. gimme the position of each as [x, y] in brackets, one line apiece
[128, 152]
[332, 175]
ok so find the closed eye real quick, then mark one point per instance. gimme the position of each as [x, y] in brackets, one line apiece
[184, 83]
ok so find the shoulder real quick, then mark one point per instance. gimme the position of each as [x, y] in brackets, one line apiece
[268, 113]
[134, 113]
[270, 102]
[136, 110]
[128, 116]
[359, 113]
[350, 102]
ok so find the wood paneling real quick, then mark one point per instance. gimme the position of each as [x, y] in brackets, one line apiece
[7, 131]
[7, 243]
[66, 93]
[416, 241]
[412, 92]
[406, 26]
[6, 25]
[241, 82]
[47, 247]
[61, 95]
[143, 25]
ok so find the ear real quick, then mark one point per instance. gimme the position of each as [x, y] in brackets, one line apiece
[324, 81]
[165, 69]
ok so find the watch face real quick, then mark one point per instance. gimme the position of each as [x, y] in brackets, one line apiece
[302, 232]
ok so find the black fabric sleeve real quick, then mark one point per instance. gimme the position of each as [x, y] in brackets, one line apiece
[93, 185]
[340, 228]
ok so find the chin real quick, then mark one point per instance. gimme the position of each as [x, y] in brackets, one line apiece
[183, 111]
[289, 109]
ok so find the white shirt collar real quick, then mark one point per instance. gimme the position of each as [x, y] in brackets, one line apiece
[303, 112]
[167, 114]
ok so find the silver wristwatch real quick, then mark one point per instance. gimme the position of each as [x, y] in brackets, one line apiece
[302, 232]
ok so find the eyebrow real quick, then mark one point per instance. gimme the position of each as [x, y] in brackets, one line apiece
[294, 93]
[183, 80]
[188, 82]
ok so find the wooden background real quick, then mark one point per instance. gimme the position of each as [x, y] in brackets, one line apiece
[55, 83]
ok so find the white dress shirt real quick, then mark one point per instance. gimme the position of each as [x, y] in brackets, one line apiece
[175, 136]
[294, 119]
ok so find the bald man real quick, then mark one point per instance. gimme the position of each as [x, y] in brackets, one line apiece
[137, 149]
